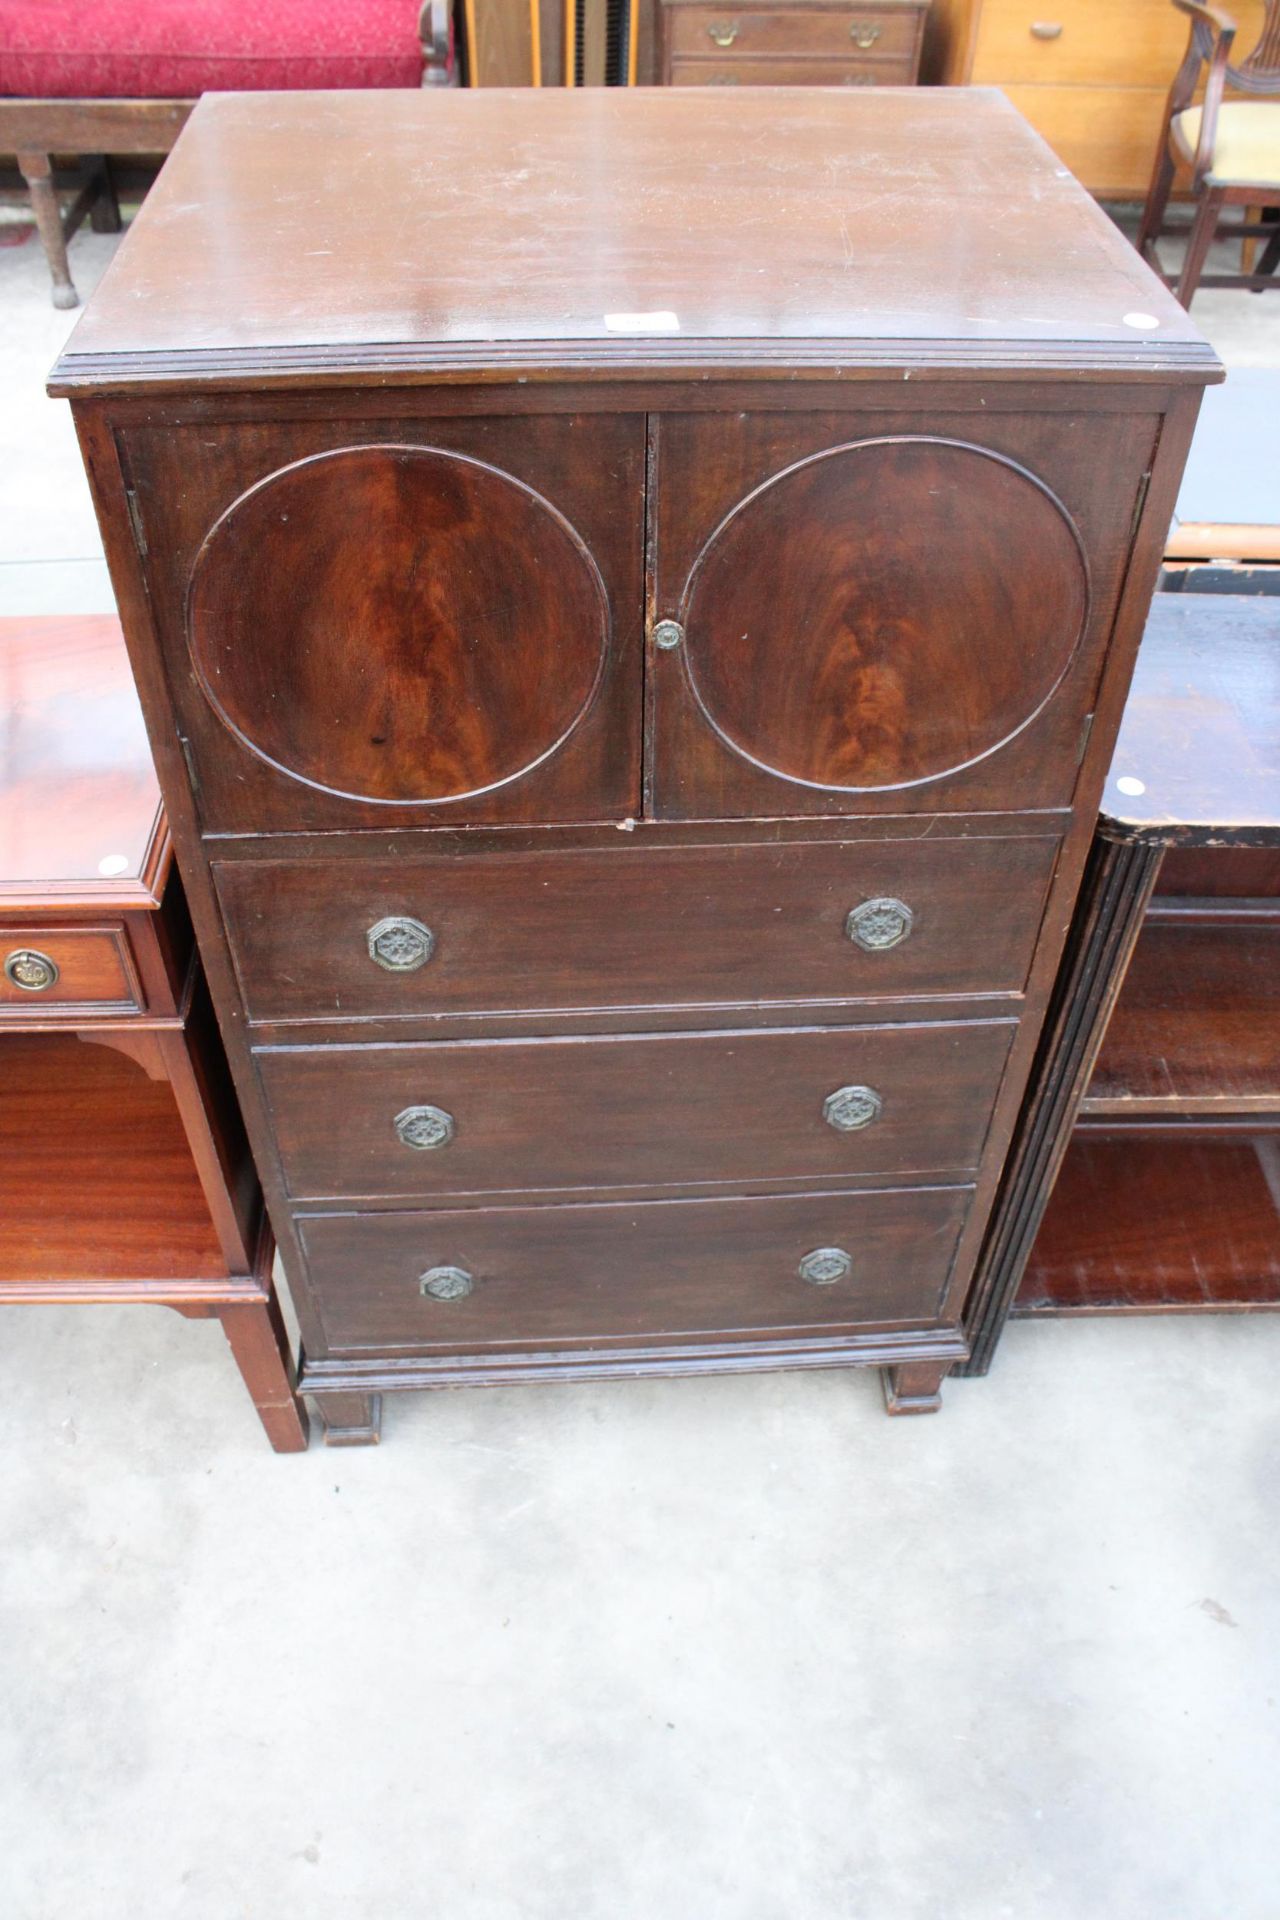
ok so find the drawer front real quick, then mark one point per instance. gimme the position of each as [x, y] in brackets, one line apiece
[1105, 135]
[514, 1116]
[792, 73]
[471, 1279]
[50, 969]
[1086, 42]
[835, 33]
[634, 927]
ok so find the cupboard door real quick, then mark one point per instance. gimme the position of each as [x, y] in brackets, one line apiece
[871, 617]
[400, 622]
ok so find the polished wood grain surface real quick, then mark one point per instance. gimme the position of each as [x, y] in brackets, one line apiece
[79, 801]
[773, 225]
[1197, 759]
[413, 598]
[649, 1111]
[91, 967]
[661, 1269]
[885, 32]
[652, 926]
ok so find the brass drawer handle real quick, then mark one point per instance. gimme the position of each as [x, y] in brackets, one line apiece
[850, 1108]
[400, 944]
[724, 32]
[876, 925]
[445, 1283]
[424, 1128]
[864, 33]
[1046, 29]
[824, 1266]
[33, 972]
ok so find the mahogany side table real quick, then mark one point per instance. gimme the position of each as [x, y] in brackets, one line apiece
[124, 1170]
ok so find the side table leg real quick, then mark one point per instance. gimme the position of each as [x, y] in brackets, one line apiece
[261, 1350]
[1117, 885]
[37, 170]
[350, 1419]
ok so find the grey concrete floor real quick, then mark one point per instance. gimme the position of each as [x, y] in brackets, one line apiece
[717, 1650]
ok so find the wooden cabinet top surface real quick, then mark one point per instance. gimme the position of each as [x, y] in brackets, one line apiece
[597, 233]
[80, 814]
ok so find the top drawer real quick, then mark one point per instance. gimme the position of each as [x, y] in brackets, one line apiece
[1079, 42]
[834, 32]
[634, 926]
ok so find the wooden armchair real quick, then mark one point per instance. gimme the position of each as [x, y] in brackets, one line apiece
[1232, 147]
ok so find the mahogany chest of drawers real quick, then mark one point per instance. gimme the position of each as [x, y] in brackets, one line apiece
[632, 625]
[791, 43]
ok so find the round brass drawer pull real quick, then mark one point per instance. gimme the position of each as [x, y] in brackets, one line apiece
[879, 924]
[424, 1128]
[850, 1108]
[445, 1283]
[33, 972]
[824, 1266]
[724, 32]
[400, 944]
[864, 33]
[669, 633]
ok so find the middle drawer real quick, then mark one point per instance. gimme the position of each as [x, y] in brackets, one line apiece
[633, 1111]
[634, 925]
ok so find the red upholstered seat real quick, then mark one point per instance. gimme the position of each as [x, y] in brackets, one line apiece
[103, 49]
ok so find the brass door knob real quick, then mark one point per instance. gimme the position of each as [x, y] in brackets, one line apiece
[400, 944]
[849, 1109]
[33, 972]
[424, 1128]
[445, 1283]
[669, 633]
[878, 924]
[824, 1266]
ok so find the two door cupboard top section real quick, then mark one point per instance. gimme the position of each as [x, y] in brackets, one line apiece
[324, 238]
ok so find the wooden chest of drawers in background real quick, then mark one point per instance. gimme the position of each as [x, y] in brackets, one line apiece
[808, 43]
[1090, 75]
[632, 657]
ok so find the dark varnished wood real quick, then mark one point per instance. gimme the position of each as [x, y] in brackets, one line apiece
[628, 1112]
[817, 31]
[412, 597]
[95, 967]
[796, 318]
[663, 927]
[552, 1276]
[458, 557]
[1162, 1036]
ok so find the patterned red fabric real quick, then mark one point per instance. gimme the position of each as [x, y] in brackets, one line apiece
[102, 49]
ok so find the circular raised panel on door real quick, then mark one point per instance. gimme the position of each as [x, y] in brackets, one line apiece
[885, 613]
[397, 624]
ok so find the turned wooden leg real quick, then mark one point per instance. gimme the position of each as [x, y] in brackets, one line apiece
[261, 1348]
[915, 1386]
[350, 1419]
[1203, 228]
[104, 215]
[37, 171]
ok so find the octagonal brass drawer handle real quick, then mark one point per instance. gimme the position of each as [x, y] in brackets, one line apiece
[849, 1109]
[724, 32]
[876, 925]
[865, 33]
[445, 1283]
[824, 1266]
[424, 1128]
[33, 972]
[400, 944]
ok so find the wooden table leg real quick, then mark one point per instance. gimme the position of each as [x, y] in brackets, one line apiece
[37, 171]
[915, 1386]
[350, 1419]
[1112, 905]
[261, 1348]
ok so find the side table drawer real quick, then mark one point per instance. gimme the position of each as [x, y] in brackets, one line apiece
[635, 1111]
[638, 926]
[834, 32]
[781, 71]
[660, 1268]
[63, 969]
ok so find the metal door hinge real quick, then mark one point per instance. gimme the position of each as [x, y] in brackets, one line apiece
[190, 759]
[1082, 745]
[1139, 504]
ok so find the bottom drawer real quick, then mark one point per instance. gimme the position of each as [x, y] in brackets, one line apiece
[775, 72]
[511, 1276]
